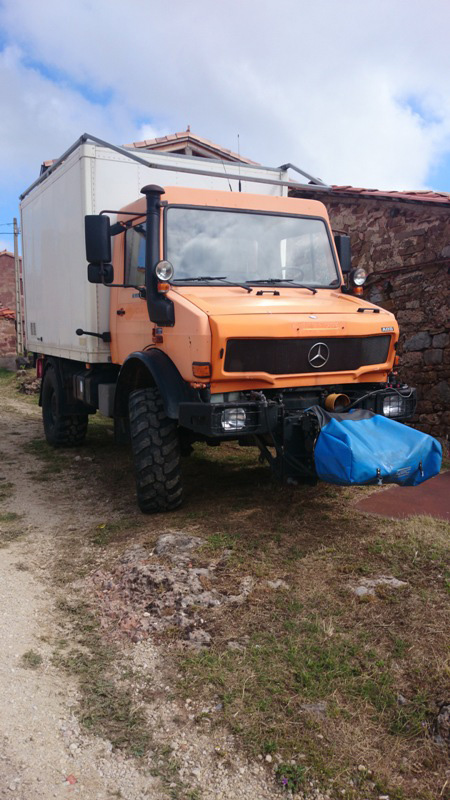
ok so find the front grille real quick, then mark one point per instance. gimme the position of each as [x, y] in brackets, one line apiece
[295, 356]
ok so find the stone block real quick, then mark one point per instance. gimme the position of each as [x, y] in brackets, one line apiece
[375, 296]
[420, 341]
[443, 391]
[424, 407]
[414, 317]
[440, 340]
[412, 304]
[433, 356]
[411, 359]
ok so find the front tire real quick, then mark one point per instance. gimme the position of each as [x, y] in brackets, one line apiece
[156, 453]
[61, 430]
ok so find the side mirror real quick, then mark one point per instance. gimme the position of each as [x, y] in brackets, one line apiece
[97, 229]
[344, 251]
[100, 273]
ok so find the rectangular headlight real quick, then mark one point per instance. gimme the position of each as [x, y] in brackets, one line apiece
[233, 419]
[394, 406]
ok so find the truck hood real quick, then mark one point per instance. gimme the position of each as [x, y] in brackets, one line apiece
[232, 312]
[233, 301]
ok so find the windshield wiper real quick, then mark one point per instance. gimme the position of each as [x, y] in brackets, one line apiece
[285, 280]
[213, 278]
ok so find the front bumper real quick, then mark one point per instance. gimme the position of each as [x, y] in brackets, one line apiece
[215, 420]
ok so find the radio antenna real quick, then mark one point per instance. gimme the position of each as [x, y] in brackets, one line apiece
[226, 173]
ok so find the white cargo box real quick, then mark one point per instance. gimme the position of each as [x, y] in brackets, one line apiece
[94, 177]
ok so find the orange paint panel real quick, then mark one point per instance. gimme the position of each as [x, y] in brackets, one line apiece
[190, 338]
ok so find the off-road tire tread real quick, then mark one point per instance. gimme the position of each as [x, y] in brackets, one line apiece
[156, 452]
[69, 430]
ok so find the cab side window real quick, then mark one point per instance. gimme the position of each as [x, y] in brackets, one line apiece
[135, 255]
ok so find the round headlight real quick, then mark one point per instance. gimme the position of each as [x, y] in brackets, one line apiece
[164, 271]
[359, 276]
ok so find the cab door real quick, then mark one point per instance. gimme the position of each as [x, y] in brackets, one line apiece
[131, 328]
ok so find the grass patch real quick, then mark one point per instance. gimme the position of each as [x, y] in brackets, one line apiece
[53, 461]
[7, 378]
[6, 537]
[107, 533]
[9, 387]
[6, 490]
[107, 707]
[220, 541]
[31, 660]
[9, 516]
[290, 665]
[9, 533]
[290, 777]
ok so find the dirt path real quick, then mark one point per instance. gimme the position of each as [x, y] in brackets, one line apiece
[40, 739]
[43, 751]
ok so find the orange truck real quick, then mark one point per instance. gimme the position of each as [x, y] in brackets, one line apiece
[207, 315]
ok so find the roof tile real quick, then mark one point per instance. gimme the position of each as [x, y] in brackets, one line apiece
[421, 195]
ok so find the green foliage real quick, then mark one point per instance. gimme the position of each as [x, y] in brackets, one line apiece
[107, 707]
[31, 660]
[290, 776]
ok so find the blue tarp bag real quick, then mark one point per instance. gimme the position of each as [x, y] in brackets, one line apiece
[361, 447]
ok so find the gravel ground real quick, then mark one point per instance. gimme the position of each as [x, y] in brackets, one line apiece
[43, 752]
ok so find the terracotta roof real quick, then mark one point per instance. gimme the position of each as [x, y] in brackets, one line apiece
[419, 195]
[174, 140]
[7, 313]
[6, 253]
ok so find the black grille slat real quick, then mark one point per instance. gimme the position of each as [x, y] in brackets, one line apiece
[290, 356]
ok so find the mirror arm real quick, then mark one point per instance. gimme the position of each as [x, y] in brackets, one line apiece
[141, 289]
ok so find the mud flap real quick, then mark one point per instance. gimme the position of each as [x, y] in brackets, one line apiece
[360, 447]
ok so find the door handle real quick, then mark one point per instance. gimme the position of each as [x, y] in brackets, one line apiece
[120, 312]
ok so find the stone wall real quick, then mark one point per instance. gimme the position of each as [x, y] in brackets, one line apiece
[405, 246]
[8, 302]
[7, 280]
[7, 342]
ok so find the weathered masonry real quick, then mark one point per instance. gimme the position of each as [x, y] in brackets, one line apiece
[7, 310]
[403, 240]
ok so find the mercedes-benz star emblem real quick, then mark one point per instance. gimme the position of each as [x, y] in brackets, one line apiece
[318, 355]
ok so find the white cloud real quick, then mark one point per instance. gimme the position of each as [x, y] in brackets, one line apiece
[40, 119]
[147, 131]
[354, 92]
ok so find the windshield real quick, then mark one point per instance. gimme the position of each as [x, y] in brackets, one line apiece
[249, 246]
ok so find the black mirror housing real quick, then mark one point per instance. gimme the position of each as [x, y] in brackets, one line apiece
[344, 251]
[97, 229]
[100, 273]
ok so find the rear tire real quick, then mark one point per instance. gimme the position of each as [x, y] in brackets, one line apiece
[156, 453]
[61, 430]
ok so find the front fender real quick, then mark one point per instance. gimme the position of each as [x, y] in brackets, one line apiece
[152, 368]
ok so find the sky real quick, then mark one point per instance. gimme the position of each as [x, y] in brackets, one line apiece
[353, 91]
